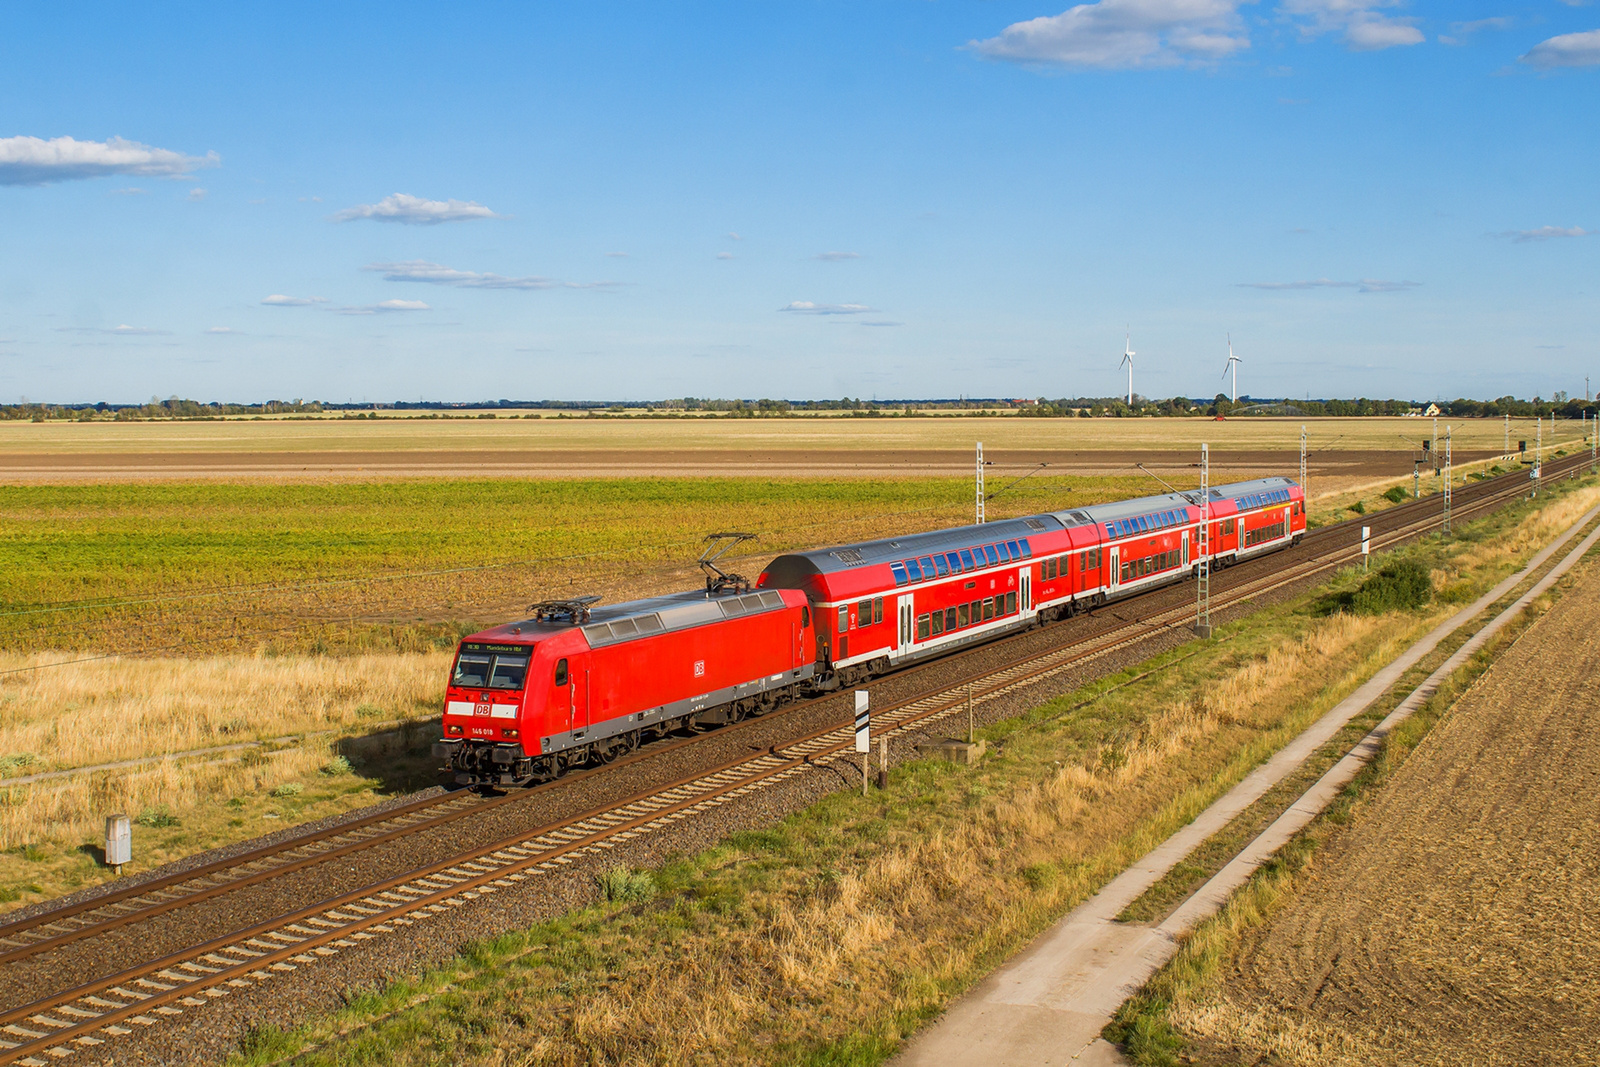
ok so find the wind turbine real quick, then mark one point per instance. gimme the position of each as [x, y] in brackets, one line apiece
[1232, 365]
[1127, 357]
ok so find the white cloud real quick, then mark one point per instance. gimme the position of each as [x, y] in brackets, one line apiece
[383, 306]
[836, 257]
[1124, 34]
[724, 255]
[878, 322]
[1545, 233]
[222, 329]
[35, 161]
[197, 194]
[806, 307]
[129, 191]
[1567, 50]
[1365, 285]
[123, 330]
[1364, 29]
[1499, 22]
[282, 301]
[422, 270]
[734, 236]
[415, 211]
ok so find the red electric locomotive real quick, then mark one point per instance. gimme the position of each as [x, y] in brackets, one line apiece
[578, 684]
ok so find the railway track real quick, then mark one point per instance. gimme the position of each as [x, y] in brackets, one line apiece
[87, 1015]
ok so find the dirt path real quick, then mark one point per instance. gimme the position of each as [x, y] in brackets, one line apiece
[1458, 922]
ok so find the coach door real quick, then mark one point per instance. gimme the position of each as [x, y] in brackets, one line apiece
[1114, 566]
[1027, 590]
[907, 621]
[1186, 548]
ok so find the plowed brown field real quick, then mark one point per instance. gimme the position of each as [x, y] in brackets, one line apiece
[1458, 920]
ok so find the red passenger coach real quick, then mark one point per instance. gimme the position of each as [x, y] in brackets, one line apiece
[881, 604]
[576, 684]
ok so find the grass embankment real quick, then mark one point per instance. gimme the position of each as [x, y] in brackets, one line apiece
[191, 567]
[831, 936]
[327, 737]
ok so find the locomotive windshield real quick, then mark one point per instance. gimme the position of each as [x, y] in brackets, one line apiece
[488, 667]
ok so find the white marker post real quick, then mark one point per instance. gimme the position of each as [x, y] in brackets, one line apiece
[1366, 545]
[863, 735]
[119, 841]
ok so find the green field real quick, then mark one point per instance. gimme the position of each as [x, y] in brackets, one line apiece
[145, 566]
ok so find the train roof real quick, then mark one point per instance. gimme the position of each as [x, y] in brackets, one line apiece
[894, 549]
[655, 615]
[1263, 489]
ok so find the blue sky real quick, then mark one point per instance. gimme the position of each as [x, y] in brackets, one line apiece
[475, 201]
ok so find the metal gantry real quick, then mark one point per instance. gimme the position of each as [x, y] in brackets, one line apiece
[1304, 492]
[1202, 606]
[1447, 478]
[980, 483]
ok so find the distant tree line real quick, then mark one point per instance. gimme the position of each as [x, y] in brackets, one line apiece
[1559, 406]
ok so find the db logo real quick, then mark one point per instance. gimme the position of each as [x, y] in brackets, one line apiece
[699, 668]
[481, 709]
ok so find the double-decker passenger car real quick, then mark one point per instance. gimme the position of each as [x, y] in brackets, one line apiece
[880, 604]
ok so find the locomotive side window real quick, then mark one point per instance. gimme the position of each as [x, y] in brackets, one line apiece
[805, 616]
[877, 610]
[472, 669]
[509, 671]
[561, 672]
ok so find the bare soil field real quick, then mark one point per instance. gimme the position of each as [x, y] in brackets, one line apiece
[298, 435]
[1330, 468]
[1457, 921]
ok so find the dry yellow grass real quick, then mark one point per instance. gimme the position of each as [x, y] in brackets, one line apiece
[78, 714]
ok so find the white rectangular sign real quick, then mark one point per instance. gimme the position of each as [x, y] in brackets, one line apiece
[1366, 544]
[863, 720]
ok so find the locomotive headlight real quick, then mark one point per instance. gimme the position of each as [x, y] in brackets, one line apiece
[508, 732]
[453, 729]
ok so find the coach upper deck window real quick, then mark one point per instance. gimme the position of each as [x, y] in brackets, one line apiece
[914, 570]
[941, 566]
[966, 560]
[955, 561]
[899, 572]
[990, 555]
[927, 568]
